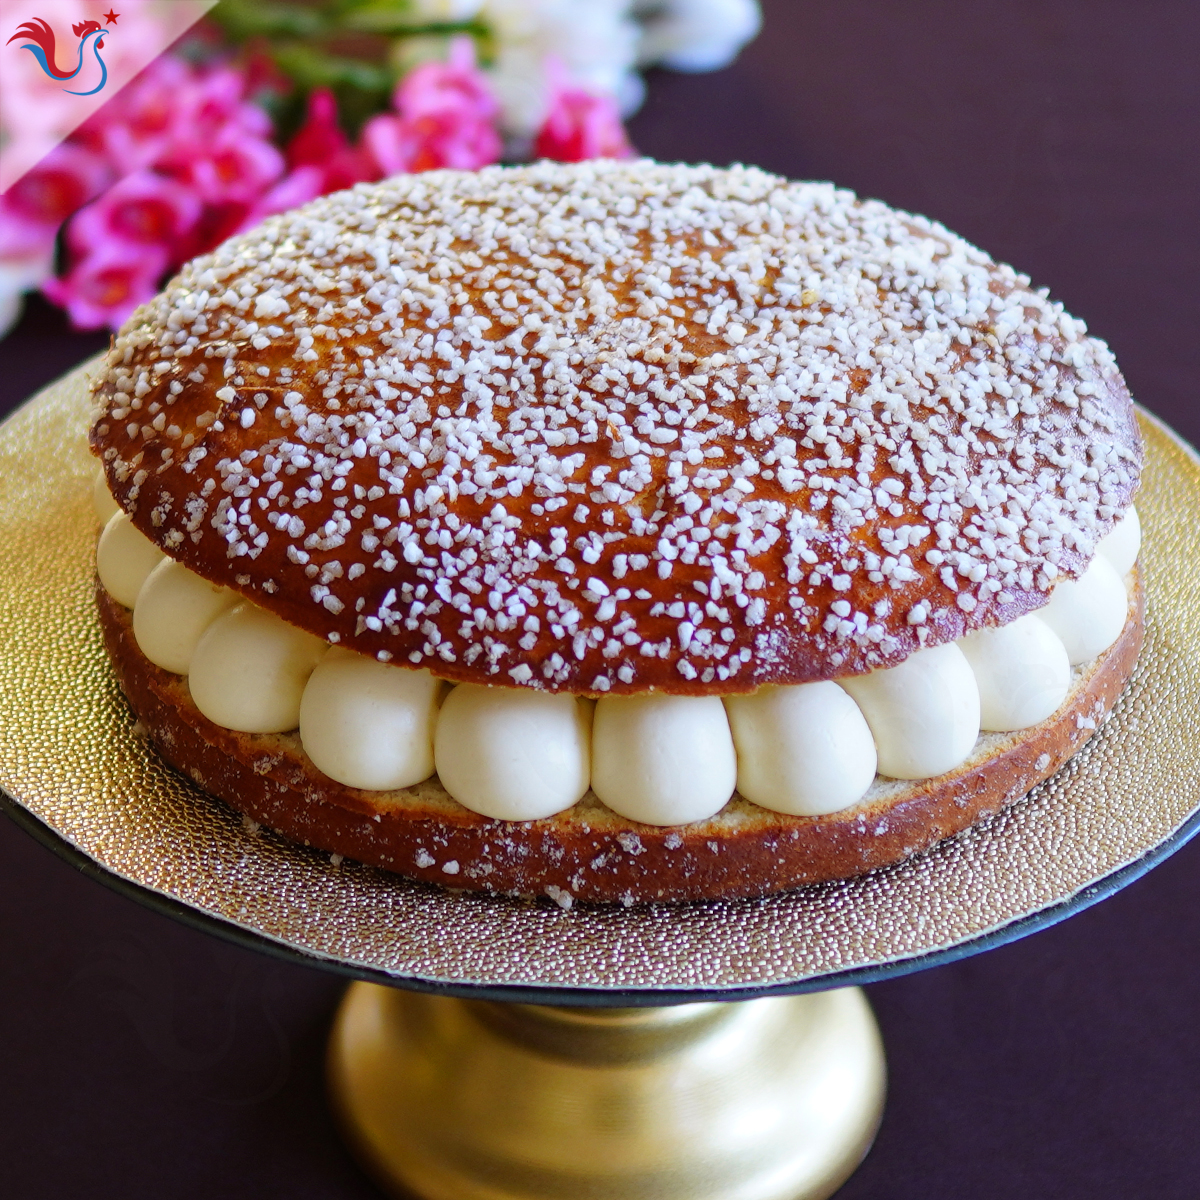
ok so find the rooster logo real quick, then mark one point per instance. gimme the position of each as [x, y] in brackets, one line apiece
[41, 44]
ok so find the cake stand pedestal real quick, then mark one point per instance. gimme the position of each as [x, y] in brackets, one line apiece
[450, 1099]
[502, 1050]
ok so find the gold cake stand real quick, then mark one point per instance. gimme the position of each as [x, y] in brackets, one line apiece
[501, 1050]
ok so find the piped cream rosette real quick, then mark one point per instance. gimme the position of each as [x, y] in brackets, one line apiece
[519, 755]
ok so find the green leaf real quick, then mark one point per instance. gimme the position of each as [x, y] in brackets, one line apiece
[312, 67]
[397, 22]
[243, 19]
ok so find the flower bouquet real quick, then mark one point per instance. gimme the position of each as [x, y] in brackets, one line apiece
[265, 106]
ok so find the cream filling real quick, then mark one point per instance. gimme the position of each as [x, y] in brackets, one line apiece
[805, 750]
[250, 669]
[366, 724]
[513, 755]
[664, 760]
[1021, 670]
[124, 558]
[173, 609]
[103, 503]
[1123, 543]
[1088, 613]
[923, 714]
[519, 755]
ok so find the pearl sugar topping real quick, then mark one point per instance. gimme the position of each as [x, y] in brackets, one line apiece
[606, 426]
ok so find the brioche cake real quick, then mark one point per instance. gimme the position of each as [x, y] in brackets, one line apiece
[614, 531]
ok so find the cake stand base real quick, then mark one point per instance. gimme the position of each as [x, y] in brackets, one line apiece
[447, 1099]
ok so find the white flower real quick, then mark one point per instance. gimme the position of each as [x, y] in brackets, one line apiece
[695, 35]
[595, 41]
[599, 43]
[18, 276]
[437, 11]
[10, 303]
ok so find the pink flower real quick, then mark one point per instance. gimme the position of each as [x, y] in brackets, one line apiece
[320, 138]
[295, 188]
[322, 160]
[108, 283]
[202, 133]
[218, 102]
[457, 86]
[218, 222]
[37, 204]
[173, 114]
[234, 165]
[580, 124]
[144, 208]
[390, 144]
[192, 156]
[320, 143]
[447, 117]
[140, 122]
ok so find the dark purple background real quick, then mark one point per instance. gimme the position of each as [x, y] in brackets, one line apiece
[140, 1058]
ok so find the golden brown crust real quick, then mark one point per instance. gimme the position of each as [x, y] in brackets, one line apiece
[715, 430]
[589, 853]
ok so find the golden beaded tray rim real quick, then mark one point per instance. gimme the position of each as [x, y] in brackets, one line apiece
[81, 778]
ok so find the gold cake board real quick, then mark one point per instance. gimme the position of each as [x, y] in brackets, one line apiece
[459, 1097]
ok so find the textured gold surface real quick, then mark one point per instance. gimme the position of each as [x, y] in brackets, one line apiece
[69, 753]
[772, 1099]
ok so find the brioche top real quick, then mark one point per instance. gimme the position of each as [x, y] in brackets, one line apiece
[612, 427]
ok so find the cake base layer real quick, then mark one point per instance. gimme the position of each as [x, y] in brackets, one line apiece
[590, 853]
